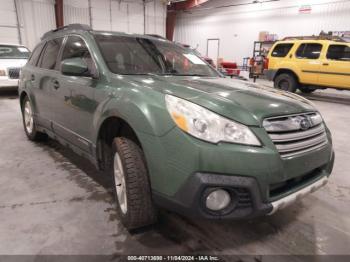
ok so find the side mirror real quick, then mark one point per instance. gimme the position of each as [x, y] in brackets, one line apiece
[74, 67]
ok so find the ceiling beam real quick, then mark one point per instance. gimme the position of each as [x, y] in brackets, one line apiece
[185, 5]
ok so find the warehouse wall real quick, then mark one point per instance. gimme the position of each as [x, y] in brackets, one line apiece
[38, 16]
[124, 16]
[35, 18]
[238, 27]
[8, 22]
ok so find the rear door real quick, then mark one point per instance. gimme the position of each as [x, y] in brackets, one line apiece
[335, 68]
[307, 60]
[75, 103]
[29, 75]
[45, 84]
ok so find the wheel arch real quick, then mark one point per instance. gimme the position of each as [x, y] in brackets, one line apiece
[286, 71]
[22, 95]
[111, 127]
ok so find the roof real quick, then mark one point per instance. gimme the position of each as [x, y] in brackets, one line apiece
[74, 28]
[312, 41]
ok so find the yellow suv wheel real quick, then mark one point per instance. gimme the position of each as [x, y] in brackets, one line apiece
[286, 82]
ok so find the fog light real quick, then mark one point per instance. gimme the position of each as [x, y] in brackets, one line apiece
[218, 200]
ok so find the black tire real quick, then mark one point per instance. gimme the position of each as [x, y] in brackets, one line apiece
[32, 133]
[140, 210]
[306, 89]
[286, 82]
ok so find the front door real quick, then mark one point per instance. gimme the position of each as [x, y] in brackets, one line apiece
[75, 95]
[335, 68]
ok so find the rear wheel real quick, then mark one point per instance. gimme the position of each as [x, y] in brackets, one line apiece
[286, 82]
[131, 185]
[306, 89]
[29, 122]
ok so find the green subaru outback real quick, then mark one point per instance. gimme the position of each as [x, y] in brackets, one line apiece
[171, 130]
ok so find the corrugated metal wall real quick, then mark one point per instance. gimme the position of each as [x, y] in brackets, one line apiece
[128, 16]
[35, 17]
[8, 22]
[38, 16]
[238, 27]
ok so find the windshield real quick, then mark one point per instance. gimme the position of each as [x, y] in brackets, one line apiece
[138, 56]
[13, 52]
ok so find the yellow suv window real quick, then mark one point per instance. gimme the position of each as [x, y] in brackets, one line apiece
[281, 50]
[309, 51]
[338, 52]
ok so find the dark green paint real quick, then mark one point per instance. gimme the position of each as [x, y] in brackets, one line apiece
[74, 67]
[75, 112]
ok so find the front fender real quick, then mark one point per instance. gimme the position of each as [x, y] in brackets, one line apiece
[144, 111]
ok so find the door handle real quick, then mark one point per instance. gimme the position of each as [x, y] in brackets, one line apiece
[56, 84]
[32, 78]
[325, 64]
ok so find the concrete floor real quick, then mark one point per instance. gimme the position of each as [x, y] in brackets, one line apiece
[54, 202]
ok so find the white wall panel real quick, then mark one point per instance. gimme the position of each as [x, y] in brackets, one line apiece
[36, 18]
[155, 17]
[129, 16]
[238, 27]
[8, 22]
[76, 11]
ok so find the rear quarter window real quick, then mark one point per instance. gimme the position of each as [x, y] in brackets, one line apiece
[33, 60]
[281, 50]
[339, 52]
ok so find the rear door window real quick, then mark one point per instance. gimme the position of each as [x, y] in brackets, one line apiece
[309, 51]
[338, 52]
[33, 60]
[49, 56]
[281, 50]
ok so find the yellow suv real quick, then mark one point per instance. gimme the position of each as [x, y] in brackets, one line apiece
[310, 64]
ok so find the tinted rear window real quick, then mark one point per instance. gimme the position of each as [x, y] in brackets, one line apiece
[309, 51]
[35, 55]
[281, 50]
[338, 52]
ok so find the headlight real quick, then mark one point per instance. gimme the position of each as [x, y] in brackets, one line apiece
[2, 72]
[206, 125]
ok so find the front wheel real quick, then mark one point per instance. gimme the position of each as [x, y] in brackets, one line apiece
[286, 82]
[131, 185]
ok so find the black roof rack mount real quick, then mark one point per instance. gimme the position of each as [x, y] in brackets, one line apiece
[67, 27]
[313, 37]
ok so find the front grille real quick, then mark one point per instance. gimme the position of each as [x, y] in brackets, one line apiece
[275, 190]
[296, 134]
[14, 73]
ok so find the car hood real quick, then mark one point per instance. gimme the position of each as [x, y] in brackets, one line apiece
[242, 101]
[6, 63]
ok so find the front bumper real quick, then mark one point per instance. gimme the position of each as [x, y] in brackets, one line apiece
[6, 82]
[248, 201]
[182, 167]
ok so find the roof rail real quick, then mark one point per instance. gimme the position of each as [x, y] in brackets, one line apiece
[313, 37]
[67, 27]
[157, 36]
